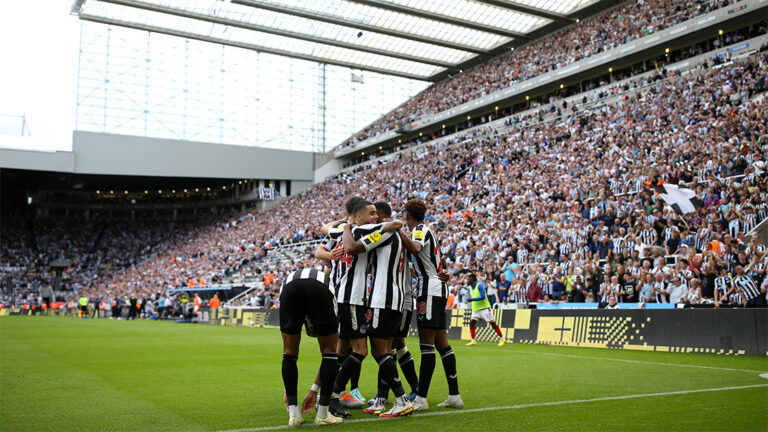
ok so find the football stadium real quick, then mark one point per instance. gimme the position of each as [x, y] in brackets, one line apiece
[254, 215]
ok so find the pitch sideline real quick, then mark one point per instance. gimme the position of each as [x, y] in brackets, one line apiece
[513, 407]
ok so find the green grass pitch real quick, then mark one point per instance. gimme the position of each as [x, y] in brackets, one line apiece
[102, 375]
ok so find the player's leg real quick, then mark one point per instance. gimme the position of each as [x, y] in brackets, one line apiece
[352, 328]
[381, 326]
[449, 366]
[292, 313]
[488, 317]
[472, 330]
[404, 357]
[426, 368]
[290, 372]
[328, 372]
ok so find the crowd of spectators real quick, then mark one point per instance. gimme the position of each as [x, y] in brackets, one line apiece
[567, 202]
[581, 40]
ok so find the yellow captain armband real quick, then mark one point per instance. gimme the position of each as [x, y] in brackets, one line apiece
[418, 235]
[374, 237]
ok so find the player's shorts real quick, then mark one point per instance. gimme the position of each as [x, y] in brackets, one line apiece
[382, 323]
[405, 324]
[303, 299]
[483, 314]
[431, 313]
[352, 321]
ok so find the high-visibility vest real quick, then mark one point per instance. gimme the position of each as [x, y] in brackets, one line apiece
[191, 283]
[202, 283]
[214, 303]
[451, 303]
[83, 301]
[717, 247]
[478, 305]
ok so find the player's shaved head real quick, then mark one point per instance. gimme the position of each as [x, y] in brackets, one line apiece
[384, 209]
[352, 204]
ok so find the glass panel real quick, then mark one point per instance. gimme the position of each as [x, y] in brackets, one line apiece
[149, 84]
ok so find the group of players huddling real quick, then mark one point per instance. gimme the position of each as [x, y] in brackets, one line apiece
[366, 293]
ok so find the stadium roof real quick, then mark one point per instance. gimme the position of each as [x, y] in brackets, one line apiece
[420, 39]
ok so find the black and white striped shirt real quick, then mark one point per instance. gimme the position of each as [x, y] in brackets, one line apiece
[660, 297]
[747, 286]
[648, 236]
[723, 284]
[618, 245]
[522, 255]
[388, 268]
[338, 267]
[352, 283]
[306, 274]
[427, 264]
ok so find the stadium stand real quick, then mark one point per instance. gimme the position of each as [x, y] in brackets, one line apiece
[597, 34]
[563, 192]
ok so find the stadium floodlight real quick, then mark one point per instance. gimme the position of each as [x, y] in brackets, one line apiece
[380, 147]
[98, 192]
[146, 192]
[720, 32]
[29, 200]
[527, 98]
[562, 85]
[197, 190]
[469, 117]
[443, 126]
[496, 107]
[111, 192]
[126, 192]
[610, 69]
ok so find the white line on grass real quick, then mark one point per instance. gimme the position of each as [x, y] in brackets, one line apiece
[619, 360]
[513, 407]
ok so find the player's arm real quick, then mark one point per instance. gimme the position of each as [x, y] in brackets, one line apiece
[367, 237]
[311, 398]
[415, 243]
[392, 226]
[351, 245]
[329, 226]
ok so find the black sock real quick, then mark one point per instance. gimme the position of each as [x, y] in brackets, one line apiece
[290, 378]
[351, 364]
[408, 366]
[426, 369]
[328, 372]
[388, 371]
[382, 387]
[354, 380]
[449, 365]
[341, 362]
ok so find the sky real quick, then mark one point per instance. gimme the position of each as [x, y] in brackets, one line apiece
[38, 77]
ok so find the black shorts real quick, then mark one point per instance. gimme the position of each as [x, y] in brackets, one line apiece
[303, 299]
[382, 323]
[352, 321]
[431, 313]
[405, 324]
